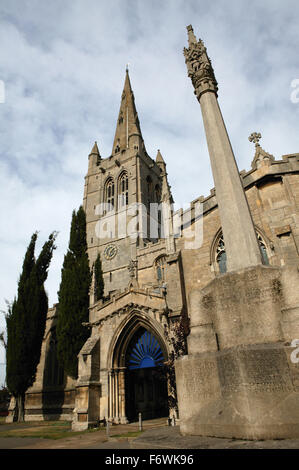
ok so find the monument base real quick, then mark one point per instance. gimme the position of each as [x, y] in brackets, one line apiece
[240, 379]
[245, 393]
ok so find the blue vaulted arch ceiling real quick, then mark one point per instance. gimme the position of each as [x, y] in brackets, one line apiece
[144, 351]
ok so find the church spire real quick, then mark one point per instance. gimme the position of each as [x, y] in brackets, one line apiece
[127, 122]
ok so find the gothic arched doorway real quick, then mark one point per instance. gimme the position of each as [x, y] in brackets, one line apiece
[146, 384]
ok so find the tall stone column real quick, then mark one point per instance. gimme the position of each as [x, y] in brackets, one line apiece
[238, 379]
[122, 396]
[110, 395]
[116, 420]
[242, 248]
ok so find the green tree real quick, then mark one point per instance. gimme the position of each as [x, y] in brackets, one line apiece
[26, 320]
[2, 339]
[73, 297]
[98, 279]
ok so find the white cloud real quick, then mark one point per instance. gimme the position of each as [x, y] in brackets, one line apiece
[63, 64]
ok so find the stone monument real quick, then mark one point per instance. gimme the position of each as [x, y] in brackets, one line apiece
[238, 379]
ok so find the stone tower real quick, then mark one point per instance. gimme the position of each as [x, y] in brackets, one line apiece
[117, 196]
[240, 376]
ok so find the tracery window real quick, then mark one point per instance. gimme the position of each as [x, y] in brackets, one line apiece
[123, 190]
[220, 253]
[161, 268]
[109, 194]
[263, 249]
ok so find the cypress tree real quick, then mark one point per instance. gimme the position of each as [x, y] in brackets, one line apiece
[26, 320]
[73, 297]
[98, 279]
[2, 339]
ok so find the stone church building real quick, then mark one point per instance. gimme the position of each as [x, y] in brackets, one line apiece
[228, 265]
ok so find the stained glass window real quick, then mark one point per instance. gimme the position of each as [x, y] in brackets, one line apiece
[144, 351]
[160, 269]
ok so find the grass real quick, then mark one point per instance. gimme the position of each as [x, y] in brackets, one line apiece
[44, 430]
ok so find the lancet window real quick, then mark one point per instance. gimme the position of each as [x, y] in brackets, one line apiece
[109, 194]
[123, 190]
[161, 269]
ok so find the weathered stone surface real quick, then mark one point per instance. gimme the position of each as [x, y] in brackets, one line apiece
[238, 378]
[246, 392]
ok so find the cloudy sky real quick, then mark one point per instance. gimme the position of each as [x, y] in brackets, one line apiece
[63, 66]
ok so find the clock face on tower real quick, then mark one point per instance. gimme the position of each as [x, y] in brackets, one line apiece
[110, 252]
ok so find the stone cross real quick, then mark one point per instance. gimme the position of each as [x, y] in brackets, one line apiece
[255, 137]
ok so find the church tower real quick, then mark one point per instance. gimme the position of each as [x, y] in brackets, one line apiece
[117, 196]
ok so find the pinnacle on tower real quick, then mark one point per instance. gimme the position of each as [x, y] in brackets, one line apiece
[127, 122]
[94, 156]
[159, 158]
[95, 149]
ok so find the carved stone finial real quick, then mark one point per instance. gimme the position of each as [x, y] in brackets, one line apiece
[255, 137]
[191, 35]
[261, 157]
[199, 66]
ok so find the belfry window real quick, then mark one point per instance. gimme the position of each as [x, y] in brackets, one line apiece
[123, 190]
[220, 254]
[109, 194]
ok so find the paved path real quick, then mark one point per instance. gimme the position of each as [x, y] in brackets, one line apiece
[156, 435]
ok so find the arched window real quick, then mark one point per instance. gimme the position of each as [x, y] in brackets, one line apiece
[117, 148]
[220, 254]
[123, 190]
[160, 266]
[109, 194]
[263, 249]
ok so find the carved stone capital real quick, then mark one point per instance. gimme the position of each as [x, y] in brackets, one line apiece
[199, 66]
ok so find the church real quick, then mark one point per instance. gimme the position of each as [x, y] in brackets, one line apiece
[226, 270]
